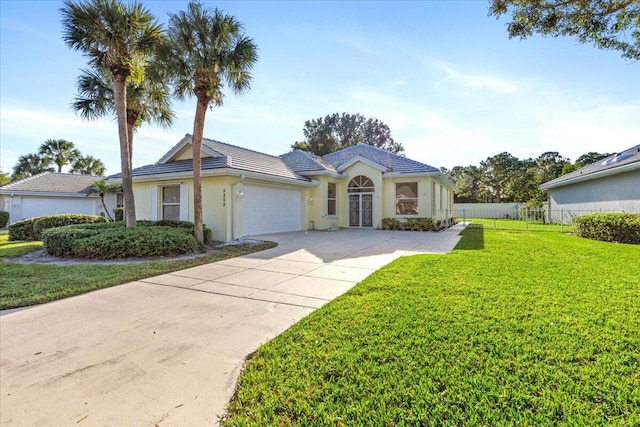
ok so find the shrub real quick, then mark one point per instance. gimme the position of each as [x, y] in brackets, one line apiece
[390, 224]
[31, 229]
[118, 214]
[109, 242]
[4, 219]
[609, 227]
[178, 224]
[53, 221]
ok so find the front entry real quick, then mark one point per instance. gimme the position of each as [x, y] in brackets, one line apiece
[360, 210]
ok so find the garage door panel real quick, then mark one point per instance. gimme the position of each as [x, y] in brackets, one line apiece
[33, 207]
[270, 210]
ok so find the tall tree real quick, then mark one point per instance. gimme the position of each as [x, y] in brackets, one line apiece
[499, 172]
[206, 51]
[609, 24]
[5, 178]
[60, 151]
[147, 99]
[591, 157]
[88, 165]
[31, 164]
[337, 131]
[114, 36]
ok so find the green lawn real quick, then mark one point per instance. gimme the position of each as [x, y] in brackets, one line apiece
[27, 284]
[517, 224]
[510, 329]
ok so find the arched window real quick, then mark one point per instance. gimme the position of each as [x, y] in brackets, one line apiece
[361, 184]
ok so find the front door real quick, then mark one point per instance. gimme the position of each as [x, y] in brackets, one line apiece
[360, 210]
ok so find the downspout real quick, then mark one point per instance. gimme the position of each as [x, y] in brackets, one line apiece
[11, 208]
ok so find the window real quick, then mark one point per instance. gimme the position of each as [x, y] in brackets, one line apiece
[406, 198]
[119, 200]
[361, 184]
[331, 199]
[171, 202]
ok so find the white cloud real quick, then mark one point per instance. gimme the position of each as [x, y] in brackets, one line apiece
[473, 81]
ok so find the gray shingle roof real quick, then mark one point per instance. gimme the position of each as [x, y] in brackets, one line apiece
[393, 162]
[623, 161]
[49, 182]
[302, 161]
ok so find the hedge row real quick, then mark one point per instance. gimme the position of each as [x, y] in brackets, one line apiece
[4, 219]
[117, 242]
[609, 227]
[414, 224]
[32, 228]
[114, 240]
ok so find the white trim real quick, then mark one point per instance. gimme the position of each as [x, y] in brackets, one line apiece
[363, 160]
[373, 210]
[320, 172]
[19, 193]
[153, 202]
[222, 172]
[184, 202]
[187, 140]
[594, 175]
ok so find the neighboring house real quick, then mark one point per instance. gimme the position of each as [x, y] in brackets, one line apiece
[609, 185]
[52, 193]
[246, 192]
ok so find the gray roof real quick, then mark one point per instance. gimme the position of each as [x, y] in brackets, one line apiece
[393, 162]
[617, 163]
[303, 161]
[49, 182]
[224, 156]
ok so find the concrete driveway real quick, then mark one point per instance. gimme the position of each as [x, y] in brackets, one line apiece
[167, 351]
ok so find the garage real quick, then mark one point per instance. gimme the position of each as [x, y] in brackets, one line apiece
[270, 210]
[40, 206]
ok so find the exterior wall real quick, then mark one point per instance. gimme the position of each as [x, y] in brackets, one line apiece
[424, 199]
[360, 168]
[620, 192]
[316, 216]
[24, 207]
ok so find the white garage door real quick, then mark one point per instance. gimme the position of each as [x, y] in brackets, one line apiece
[270, 210]
[41, 206]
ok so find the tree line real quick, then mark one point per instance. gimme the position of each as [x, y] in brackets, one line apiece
[505, 178]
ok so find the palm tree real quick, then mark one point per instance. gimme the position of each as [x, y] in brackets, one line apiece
[114, 36]
[88, 165]
[206, 49]
[147, 99]
[60, 151]
[31, 164]
[101, 188]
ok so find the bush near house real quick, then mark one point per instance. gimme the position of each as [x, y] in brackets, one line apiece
[118, 214]
[609, 227]
[415, 224]
[4, 219]
[114, 240]
[32, 228]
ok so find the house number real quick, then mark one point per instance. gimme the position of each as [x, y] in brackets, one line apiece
[224, 197]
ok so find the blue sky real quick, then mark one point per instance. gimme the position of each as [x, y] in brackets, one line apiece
[442, 74]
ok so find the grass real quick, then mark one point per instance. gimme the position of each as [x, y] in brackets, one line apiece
[29, 284]
[510, 329]
[14, 249]
[517, 224]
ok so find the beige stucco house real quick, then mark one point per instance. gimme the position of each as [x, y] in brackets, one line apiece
[248, 193]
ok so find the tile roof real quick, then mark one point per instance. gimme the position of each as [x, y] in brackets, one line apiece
[629, 158]
[49, 182]
[225, 156]
[393, 162]
[303, 161]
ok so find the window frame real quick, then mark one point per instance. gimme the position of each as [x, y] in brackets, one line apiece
[163, 203]
[407, 199]
[333, 199]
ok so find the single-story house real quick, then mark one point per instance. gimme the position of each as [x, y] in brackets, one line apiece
[247, 193]
[609, 185]
[51, 193]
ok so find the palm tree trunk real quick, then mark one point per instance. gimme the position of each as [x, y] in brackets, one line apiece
[104, 205]
[119, 98]
[196, 148]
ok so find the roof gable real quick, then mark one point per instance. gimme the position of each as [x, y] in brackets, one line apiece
[623, 161]
[392, 162]
[49, 182]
